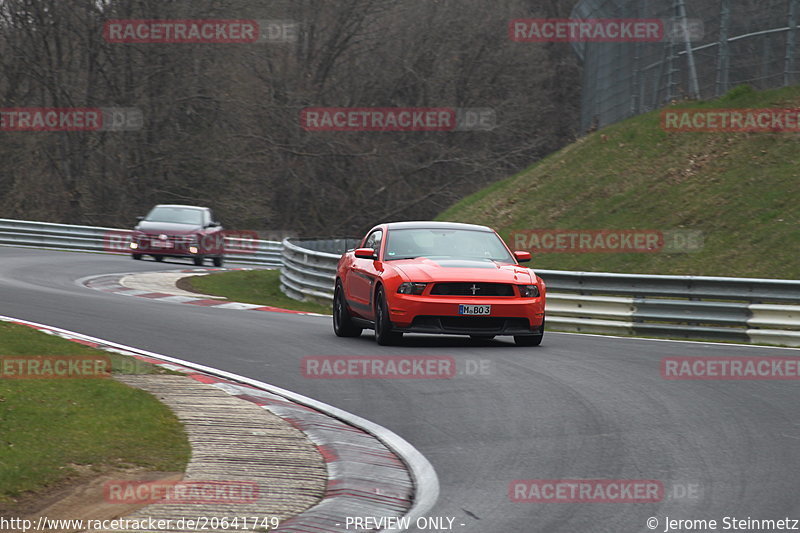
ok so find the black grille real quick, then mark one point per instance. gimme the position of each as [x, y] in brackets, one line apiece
[179, 239]
[172, 242]
[472, 289]
[471, 324]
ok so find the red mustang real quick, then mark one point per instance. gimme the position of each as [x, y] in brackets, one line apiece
[437, 277]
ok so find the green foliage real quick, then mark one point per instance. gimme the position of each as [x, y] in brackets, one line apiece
[254, 287]
[48, 428]
[742, 190]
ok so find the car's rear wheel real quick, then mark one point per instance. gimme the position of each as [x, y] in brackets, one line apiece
[137, 257]
[158, 258]
[343, 324]
[530, 340]
[198, 261]
[383, 326]
[219, 261]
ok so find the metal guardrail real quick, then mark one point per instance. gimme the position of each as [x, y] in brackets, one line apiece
[309, 274]
[691, 307]
[111, 240]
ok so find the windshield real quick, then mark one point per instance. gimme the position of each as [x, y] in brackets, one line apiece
[446, 243]
[176, 215]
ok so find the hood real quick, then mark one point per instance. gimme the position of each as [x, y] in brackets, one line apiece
[430, 270]
[169, 228]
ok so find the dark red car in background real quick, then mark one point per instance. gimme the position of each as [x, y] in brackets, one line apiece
[437, 277]
[179, 231]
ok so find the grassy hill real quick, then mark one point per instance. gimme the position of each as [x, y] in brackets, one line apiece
[742, 190]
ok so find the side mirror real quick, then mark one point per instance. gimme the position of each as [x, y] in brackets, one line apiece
[213, 225]
[522, 257]
[365, 253]
[139, 218]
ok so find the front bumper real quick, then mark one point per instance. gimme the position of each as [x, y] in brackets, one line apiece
[429, 314]
[166, 252]
[168, 248]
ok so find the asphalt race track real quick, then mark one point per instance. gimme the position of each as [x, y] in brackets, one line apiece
[578, 407]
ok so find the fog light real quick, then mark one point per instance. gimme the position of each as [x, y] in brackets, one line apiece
[134, 246]
[193, 249]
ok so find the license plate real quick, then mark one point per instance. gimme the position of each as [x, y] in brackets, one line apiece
[474, 309]
[161, 244]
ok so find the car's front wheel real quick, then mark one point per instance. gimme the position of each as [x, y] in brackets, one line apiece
[384, 334]
[137, 257]
[530, 340]
[343, 324]
[158, 258]
[219, 261]
[198, 261]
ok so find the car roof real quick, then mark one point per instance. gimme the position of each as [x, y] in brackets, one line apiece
[179, 205]
[431, 224]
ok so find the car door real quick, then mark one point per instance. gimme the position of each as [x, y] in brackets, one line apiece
[363, 274]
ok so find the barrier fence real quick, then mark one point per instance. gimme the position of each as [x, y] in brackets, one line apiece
[112, 240]
[692, 307]
[713, 46]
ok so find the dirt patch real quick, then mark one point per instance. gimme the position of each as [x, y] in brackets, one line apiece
[80, 498]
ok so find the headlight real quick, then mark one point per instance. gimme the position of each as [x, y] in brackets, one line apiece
[411, 288]
[528, 291]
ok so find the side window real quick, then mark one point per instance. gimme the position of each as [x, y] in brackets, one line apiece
[374, 240]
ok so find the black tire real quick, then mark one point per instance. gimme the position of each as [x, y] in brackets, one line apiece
[383, 326]
[343, 324]
[198, 261]
[530, 340]
[137, 257]
[219, 261]
[158, 258]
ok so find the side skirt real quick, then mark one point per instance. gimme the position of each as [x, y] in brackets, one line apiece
[363, 323]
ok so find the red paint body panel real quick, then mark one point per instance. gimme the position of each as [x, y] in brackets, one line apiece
[360, 278]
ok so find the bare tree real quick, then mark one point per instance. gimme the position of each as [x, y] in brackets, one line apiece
[222, 123]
